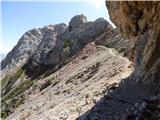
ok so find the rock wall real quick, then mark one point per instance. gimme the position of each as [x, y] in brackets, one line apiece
[140, 21]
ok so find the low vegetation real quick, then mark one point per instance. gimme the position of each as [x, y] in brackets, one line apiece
[67, 43]
[16, 97]
[9, 80]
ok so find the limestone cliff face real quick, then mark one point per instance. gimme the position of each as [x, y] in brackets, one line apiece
[140, 21]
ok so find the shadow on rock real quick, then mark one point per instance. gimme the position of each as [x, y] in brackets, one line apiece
[118, 102]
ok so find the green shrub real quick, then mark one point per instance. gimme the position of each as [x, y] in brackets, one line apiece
[15, 98]
[67, 43]
[4, 114]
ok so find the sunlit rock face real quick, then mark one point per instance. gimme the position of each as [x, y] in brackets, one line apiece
[25, 47]
[140, 21]
[33, 44]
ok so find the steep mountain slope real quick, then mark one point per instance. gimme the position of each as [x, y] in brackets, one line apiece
[27, 45]
[41, 52]
[76, 87]
[2, 56]
[113, 39]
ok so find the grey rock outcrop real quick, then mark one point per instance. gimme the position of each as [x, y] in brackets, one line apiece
[26, 46]
[76, 21]
[113, 39]
[85, 33]
[50, 39]
[34, 43]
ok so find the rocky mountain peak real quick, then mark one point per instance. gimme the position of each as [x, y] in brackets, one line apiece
[60, 47]
[23, 50]
[50, 36]
[30, 42]
[76, 21]
[52, 44]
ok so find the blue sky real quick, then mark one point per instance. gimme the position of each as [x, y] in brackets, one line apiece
[17, 17]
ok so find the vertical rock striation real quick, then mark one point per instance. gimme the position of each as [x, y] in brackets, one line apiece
[140, 21]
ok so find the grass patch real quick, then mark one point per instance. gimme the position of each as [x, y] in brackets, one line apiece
[67, 43]
[66, 50]
[9, 106]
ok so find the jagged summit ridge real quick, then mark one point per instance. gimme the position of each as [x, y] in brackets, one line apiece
[54, 43]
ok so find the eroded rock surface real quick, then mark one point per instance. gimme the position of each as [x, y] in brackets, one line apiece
[140, 21]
